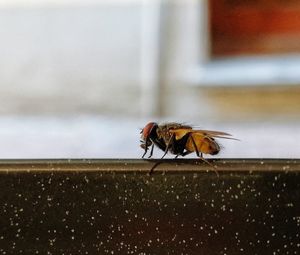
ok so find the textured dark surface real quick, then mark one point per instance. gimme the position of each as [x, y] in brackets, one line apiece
[115, 207]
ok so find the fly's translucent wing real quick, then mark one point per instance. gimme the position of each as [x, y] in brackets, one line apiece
[180, 132]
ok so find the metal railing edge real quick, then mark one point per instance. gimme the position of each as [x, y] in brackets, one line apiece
[145, 165]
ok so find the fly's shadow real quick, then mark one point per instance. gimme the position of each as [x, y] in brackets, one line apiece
[156, 164]
[180, 161]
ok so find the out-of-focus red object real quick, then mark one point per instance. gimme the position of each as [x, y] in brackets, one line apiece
[240, 27]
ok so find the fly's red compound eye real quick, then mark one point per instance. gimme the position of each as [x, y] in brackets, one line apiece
[147, 129]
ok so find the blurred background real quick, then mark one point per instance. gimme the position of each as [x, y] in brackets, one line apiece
[80, 78]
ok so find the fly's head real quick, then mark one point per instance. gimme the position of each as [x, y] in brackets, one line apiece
[148, 134]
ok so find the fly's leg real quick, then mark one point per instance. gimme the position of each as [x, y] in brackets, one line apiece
[201, 157]
[185, 153]
[196, 149]
[166, 151]
[168, 146]
[151, 152]
[146, 147]
[145, 152]
[154, 166]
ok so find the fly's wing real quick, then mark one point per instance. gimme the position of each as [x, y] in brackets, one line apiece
[181, 132]
[214, 134]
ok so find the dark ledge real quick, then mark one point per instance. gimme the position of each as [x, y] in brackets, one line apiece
[144, 165]
[112, 206]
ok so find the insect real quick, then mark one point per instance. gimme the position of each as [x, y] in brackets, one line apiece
[180, 139]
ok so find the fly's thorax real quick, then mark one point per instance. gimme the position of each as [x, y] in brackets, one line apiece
[163, 131]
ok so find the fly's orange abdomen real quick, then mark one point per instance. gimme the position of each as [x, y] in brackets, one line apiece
[202, 143]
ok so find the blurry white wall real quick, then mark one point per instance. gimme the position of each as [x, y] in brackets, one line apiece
[99, 56]
[65, 56]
